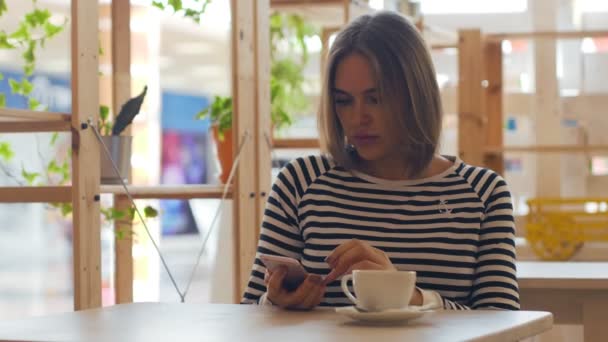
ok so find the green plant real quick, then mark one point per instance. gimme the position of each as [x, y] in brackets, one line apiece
[194, 10]
[220, 113]
[286, 74]
[33, 31]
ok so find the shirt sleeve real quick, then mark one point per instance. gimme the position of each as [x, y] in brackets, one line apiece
[279, 234]
[495, 283]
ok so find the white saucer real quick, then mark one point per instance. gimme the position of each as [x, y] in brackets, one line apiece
[389, 316]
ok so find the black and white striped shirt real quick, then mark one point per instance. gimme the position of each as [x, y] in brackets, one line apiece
[454, 229]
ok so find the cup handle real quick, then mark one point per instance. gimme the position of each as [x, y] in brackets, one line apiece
[346, 291]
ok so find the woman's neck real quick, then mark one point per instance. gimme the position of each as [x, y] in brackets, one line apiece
[396, 169]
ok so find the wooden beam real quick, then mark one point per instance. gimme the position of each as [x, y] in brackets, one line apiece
[493, 103]
[279, 3]
[263, 125]
[184, 192]
[34, 126]
[471, 119]
[296, 143]
[546, 102]
[443, 46]
[21, 115]
[244, 85]
[121, 93]
[36, 194]
[123, 253]
[547, 35]
[85, 155]
[596, 149]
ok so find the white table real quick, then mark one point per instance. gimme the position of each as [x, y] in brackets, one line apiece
[575, 292]
[226, 322]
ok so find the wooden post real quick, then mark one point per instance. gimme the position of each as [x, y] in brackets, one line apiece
[493, 101]
[471, 119]
[121, 92]
[346, 15]
[547, 102]
[263, 140]
[85, 155]
[250, 70]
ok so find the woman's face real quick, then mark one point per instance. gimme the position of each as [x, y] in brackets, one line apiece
[357, 104]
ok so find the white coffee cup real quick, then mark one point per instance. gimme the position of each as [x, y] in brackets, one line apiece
[380, 290]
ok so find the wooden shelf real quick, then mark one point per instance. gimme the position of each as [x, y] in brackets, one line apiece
[35, 126]
[36, 194]
[324, 13]
[548, 149]
[49, 194]
[547, 34]
[21, 115]
[296, 143]
[169, 191]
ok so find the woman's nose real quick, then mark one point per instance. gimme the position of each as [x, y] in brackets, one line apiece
[362, 114]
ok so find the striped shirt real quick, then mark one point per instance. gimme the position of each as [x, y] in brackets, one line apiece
[455, 229]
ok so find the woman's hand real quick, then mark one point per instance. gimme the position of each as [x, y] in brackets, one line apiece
[356, 255]
[305, 297]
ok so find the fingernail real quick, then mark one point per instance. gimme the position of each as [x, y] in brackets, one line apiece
[316, 279]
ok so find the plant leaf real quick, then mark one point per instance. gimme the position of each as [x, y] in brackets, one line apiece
[104, 112]
[52, 30]
[26, 87]
[28, 69]
[29, 56]
[54, 138]
[37, 17]
[176, 4]
[15, 86]
[158, 4]
[52, 167]
[66, 209]
[22, 33]
[2, 100]
[3, 8]
[150, 212]
[29, 177]
[4, 43]
[33, 103]
[6, 151]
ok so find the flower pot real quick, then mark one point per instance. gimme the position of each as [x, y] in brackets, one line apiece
[120, 149]
[224, 152]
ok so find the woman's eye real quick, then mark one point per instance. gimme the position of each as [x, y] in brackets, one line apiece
[342, 102]
[373, 100]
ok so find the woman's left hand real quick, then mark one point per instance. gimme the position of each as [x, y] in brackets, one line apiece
[360, 255]
[356, 255]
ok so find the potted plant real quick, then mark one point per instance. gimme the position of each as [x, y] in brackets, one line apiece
[118, 145]
[286, 86]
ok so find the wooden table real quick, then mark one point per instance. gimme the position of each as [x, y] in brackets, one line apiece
[575, 292]
[226, 322]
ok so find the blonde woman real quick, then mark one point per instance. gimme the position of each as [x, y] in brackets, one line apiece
[382, 197]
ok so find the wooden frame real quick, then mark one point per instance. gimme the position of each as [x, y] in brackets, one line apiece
[85, 155]
[121, 93]
[250, 89]
[491, 151]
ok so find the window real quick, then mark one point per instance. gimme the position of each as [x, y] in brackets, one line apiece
[593, 6]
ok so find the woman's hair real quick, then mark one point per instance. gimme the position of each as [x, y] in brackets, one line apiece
[406, 84]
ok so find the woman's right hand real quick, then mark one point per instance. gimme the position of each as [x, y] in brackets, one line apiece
[305, 297]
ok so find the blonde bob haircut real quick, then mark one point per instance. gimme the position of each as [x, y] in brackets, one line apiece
[406, 84]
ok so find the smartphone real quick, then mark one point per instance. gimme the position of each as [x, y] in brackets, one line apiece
[295, 271]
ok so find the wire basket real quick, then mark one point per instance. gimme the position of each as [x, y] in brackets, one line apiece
[557, 228]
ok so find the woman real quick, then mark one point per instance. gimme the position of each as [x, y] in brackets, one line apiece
[383, 198]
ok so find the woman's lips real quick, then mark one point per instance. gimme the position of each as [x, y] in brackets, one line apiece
[363, 140]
